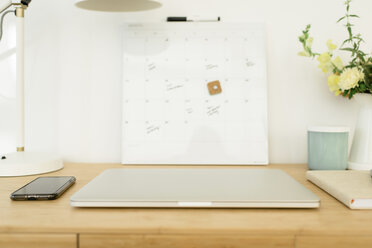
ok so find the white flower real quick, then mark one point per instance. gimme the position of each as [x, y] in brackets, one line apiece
[350, 78]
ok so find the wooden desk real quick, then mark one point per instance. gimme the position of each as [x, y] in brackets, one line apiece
[57, 224]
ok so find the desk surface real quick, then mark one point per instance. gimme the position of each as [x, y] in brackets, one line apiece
[58, 217]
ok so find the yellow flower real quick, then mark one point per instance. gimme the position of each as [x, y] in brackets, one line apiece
[325, 62]
[350, 78]
[304, 53]
[331, 46]
[338, 63]
[309, 42]
[333, 84]
[324, 58]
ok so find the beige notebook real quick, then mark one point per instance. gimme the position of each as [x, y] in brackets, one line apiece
[353, 188]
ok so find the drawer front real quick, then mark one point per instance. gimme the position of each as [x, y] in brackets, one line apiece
[333, 241]
[182, 241]
[38, 240]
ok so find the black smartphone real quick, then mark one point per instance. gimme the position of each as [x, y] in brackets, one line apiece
[43, 188]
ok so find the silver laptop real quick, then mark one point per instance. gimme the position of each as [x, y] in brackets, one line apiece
[193, 187]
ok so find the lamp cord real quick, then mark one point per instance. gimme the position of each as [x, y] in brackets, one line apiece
[2, 21]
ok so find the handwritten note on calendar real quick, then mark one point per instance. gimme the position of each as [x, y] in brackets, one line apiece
[194, 93]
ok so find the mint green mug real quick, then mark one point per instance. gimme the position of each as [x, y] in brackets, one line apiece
[327, 148]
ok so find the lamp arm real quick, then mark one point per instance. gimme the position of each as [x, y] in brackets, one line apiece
[2, 21]
[5, 4]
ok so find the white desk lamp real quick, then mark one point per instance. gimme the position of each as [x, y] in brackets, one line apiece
[22, 163]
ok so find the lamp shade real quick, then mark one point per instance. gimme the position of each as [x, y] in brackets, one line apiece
[118, 5]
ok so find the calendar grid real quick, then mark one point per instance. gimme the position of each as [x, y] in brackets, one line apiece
[170, 116]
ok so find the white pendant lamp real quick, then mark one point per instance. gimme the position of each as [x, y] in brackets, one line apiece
[118, 5]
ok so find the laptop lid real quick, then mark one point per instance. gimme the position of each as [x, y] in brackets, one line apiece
[194, 187]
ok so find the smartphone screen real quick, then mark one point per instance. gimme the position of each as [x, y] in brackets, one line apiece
[43, 188]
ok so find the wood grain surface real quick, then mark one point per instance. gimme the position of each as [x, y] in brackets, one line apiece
[332, 221]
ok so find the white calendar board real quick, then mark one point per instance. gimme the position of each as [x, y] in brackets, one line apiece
[169, 114]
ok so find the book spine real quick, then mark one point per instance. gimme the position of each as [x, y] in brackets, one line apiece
[339, 195]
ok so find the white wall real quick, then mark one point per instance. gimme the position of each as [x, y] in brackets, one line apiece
[73, 73]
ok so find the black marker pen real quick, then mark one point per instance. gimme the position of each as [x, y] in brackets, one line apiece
[192, 19]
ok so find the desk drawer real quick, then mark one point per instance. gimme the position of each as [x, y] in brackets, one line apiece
[38, 240]
[182, 241]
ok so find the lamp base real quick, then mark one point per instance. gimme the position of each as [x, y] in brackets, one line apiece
[28, 163]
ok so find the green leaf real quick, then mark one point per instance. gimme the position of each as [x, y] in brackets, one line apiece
[350, 33]
[345, 41]
[347, 49]
[362, 87]
[352, 92]
[341, 19]
[354, 16]
[362, 54]
[361, 57]
[367, 81]
[345, 93]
